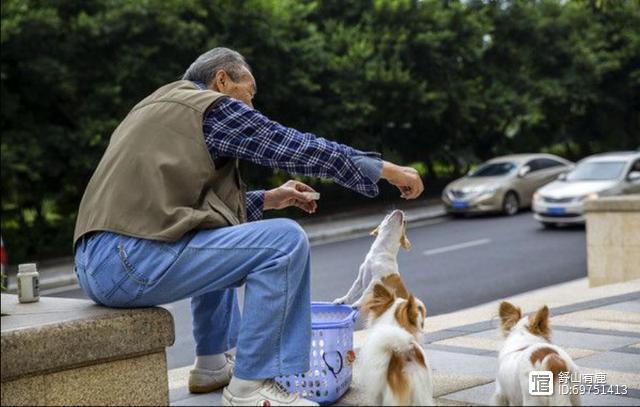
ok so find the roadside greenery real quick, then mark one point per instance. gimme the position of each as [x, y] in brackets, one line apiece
[439, 84]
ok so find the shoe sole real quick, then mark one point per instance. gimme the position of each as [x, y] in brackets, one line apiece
[224, 402]
[205, 389]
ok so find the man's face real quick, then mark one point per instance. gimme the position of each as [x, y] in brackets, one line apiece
[244, 89]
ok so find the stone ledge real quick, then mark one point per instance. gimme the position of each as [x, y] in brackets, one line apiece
[134, 381]
[622, 203]
[56, 334]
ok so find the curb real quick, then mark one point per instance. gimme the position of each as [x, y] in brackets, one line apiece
[58, 281]
[364, 228]
[68, 277]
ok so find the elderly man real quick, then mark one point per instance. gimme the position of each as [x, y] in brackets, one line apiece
[166, 216]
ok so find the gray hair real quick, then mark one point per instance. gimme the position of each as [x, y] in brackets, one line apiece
[204, 68]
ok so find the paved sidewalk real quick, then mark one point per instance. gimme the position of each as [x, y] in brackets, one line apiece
[599, 327]
[58, 274]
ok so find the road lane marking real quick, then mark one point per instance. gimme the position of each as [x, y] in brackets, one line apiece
[426, 222]
[363, 233]
[458, 246]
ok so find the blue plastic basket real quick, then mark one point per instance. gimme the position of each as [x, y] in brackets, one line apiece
[331, 355]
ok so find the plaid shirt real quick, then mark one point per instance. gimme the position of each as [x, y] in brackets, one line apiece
[233, 129]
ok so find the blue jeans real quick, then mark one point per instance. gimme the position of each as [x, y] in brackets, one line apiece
[271, 257]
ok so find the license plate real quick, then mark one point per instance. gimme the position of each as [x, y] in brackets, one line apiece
[556, 211]
[460, 204]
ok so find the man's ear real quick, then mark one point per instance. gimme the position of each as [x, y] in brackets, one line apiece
[375, 231]
[539, 323]
[509, 316]
[404, 241]
[220, 81]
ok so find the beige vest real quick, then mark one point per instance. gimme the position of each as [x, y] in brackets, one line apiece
[156, 179]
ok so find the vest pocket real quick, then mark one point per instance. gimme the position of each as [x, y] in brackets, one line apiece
[221, 209]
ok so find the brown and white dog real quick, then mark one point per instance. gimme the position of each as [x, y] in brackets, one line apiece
[528, 348]
[381, 260]
[392, 367]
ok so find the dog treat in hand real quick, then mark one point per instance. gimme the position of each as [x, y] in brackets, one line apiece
[312, 195]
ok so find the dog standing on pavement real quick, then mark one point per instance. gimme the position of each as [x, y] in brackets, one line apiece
[392, 367]
[528, 348]
[381, 261]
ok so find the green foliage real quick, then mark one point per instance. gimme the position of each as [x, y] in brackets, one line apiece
[439, 84]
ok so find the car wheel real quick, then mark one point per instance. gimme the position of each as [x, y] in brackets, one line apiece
[510, 204]
[548, 225]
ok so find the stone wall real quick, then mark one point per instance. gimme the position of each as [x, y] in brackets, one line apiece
[613, 239]
[72, 352]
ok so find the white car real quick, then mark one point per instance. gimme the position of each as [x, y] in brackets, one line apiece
[562, 201]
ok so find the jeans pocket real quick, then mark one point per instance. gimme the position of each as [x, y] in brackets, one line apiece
[112, 285]
[145, 261]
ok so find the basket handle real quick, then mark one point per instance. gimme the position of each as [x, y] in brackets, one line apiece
[331, 369]
[354, 314]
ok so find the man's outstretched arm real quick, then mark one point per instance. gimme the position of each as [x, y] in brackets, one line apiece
[233, 129]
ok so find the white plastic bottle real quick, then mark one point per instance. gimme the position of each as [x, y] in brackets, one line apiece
[28, 281]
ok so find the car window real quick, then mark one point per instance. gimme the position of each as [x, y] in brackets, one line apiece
[493, 169]
[543, 164]
[549, 163]
[534, 165]
[597, 171]
[635, 166]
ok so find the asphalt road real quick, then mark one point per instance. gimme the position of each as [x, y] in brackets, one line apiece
[454, 264]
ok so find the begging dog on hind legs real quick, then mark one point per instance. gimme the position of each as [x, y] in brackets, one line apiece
[528, 348]
[381, 260]
[392, 369]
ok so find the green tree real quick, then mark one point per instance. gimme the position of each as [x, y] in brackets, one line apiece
[441, 84]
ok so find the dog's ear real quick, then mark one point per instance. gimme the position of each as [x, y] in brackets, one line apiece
[378, 301]
[412, 309]
[509, 316]
[539, 323]
[407, 315]
[375, 231]
[395, 283]
[404, 241]
[423, 310]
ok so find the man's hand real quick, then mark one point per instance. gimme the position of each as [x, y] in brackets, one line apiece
[290, 194]
[406, 179]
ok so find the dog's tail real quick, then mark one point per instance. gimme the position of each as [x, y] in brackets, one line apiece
[385, 359]
[555, 364]
[548, 359]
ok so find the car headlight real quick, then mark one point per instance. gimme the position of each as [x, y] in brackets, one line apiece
[484, 194]
[593, 195]
[483, 190]
[536, 196]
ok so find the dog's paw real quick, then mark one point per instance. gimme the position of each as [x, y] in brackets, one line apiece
[339, 301]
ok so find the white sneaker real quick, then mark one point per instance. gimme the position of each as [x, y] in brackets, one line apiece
[271, 393]
[206, 381]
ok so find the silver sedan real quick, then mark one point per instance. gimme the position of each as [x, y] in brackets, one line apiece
[503, 184]
[562, 201]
